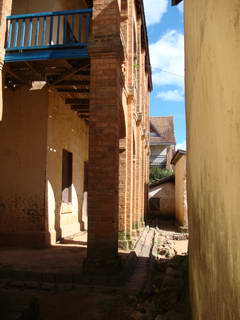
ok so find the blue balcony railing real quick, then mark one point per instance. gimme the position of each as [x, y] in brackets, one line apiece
[47, 31]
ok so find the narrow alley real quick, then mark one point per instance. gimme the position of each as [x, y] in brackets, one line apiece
[154, 285]
[119, 159]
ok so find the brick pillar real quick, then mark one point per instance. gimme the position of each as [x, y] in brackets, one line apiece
[129, 181]
[122, 239]
[5, 10]
[105, 101]
[134, 172]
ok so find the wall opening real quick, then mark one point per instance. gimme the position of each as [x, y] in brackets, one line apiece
[67, 161]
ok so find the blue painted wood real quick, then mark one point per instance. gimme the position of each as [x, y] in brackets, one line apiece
[16, 33]
[55, 13]
[37, 31]
[63, 37]
[80, 28]
[58, 28]
[72, 28]
[88, 26]
[9, 35]
[23, 32]
[65, 29]
[44, 30]
[30, 32]
[43, 55]
[51, 30]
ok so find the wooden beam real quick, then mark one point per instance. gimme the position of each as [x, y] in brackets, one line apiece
[73, 90]
[73, 83]
[80, 108]
[68, 74]
[13, 74]
[83, 73]
[33, 69]
[77, 101]
[83, 106]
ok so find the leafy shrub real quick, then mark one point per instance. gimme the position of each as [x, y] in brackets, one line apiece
[159, 173]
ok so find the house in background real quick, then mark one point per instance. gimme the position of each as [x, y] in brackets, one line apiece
[179, 163]
[162, 198]
[162, 142]
[168, 196]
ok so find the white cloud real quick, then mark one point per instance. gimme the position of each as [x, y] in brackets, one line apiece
[154, 10]
[171, 95]
[167, 59]
[180, 7]
[182, 146]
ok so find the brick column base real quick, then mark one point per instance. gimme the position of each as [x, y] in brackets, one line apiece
[98, 266]
[125, 241]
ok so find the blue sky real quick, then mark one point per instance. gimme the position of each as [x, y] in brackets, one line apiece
[165, 32]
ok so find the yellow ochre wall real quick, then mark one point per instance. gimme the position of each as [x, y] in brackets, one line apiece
[65, 131]
[23, 141]
[180, 192]
[166, 193]
[37, 125]
[213, 129]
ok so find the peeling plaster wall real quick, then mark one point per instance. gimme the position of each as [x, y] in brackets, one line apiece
[65, 131]
[23, 133]
[213, 127]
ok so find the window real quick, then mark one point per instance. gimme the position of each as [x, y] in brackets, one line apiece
[67, 160]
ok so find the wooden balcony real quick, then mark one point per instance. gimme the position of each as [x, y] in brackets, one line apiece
[51, 47]
[48, 35]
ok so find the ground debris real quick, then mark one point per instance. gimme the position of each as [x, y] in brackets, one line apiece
[168, 299]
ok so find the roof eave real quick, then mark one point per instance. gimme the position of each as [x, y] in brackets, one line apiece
[149, 68]
[176, 2]
[177, 156]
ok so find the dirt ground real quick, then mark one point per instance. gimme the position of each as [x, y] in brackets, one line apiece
[81, 302]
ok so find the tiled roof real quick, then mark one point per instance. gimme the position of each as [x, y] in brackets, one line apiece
[163, 128]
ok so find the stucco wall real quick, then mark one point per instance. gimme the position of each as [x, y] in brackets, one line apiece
[166, 193]
[180, 192]
[213, 126]
[65, 131]
[23, 162]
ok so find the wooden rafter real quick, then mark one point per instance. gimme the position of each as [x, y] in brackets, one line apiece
[70, 90]
[13, 74]
[73, 83]
[77, 101]
[33, 69]
[68, 74]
